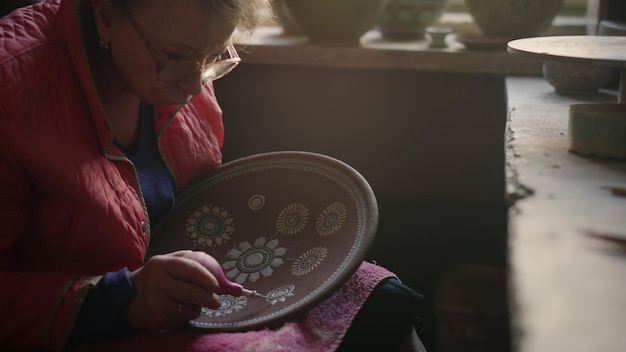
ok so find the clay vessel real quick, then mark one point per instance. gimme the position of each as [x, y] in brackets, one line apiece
[408, 19]
[513, 18]
[335, 21]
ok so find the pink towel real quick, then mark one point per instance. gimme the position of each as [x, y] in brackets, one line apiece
[319, 330]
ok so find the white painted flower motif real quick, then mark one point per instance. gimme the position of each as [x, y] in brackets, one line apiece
[292, 219]
[229, 304]
[308, 261]
[252, 261]
[331, 219]
[210, 226]
[281, 293]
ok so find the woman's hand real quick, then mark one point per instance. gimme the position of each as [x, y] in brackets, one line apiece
[171, 289]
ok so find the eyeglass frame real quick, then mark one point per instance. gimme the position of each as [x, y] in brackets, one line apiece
[162, 61]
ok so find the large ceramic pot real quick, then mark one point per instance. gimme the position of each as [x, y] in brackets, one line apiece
[408, 19]
[576, 79]
[335, 21]
[513, 18]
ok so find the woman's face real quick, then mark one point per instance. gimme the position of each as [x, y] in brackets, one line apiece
[160, 33]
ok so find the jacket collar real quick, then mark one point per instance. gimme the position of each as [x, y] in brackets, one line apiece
[75, 24]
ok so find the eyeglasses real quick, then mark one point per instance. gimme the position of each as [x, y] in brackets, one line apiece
[211, 68]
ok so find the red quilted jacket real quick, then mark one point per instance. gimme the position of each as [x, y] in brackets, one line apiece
[70, 205]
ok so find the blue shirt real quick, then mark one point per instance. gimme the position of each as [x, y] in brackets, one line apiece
[155, 180]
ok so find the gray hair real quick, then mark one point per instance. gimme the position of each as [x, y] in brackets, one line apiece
[244, 15]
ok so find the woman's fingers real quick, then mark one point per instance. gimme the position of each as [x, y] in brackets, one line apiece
[189, 289]
[188, 268]
[171, 290]
[186, 312]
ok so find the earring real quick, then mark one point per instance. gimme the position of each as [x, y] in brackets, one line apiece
[103, 45]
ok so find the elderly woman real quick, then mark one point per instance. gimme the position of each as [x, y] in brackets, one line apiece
[107, 111]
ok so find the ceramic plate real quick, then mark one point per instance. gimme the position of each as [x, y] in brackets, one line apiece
[293, 226]
[476, 42]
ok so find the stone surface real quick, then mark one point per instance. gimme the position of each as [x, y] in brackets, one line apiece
[566, 282]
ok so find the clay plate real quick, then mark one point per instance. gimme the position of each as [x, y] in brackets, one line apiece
[291, 225]
[480, 43]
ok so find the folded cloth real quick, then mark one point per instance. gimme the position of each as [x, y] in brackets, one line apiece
[320, 329]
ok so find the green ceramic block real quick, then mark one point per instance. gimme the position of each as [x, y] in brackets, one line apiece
[598, 130]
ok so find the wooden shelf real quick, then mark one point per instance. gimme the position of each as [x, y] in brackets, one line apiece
[268, 46]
